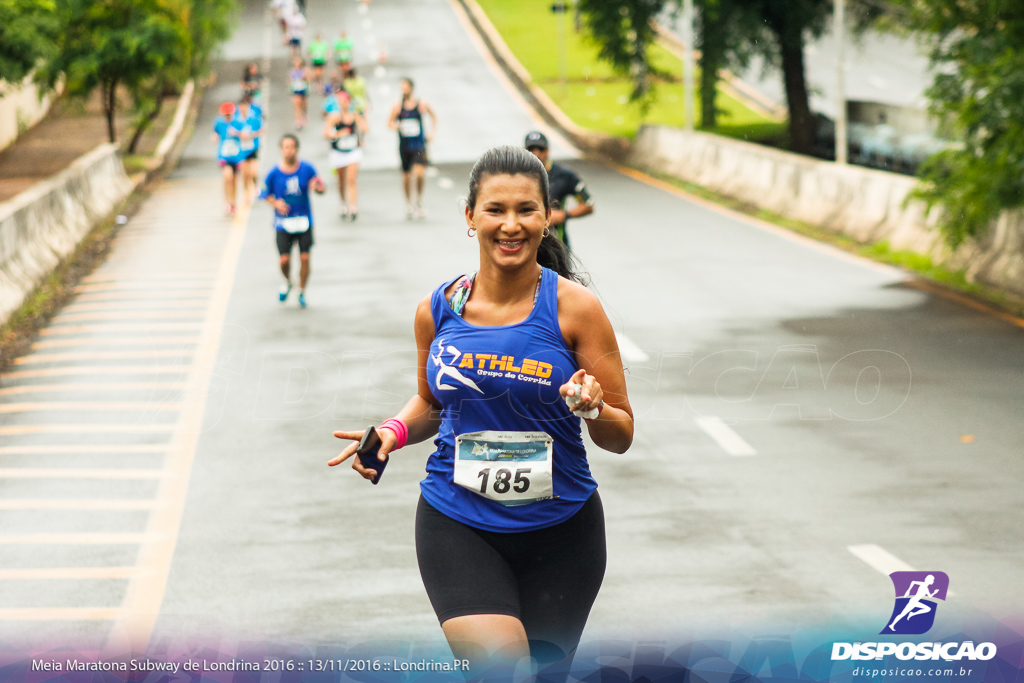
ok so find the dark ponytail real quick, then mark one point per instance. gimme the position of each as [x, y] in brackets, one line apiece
[509, 160]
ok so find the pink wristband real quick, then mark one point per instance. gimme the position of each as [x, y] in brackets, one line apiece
[399, 428]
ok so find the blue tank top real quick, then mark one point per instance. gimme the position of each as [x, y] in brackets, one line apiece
[410, 129]
[504, 378]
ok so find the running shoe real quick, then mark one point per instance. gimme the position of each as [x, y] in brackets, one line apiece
[282, 295]
[229, 209]
[302, 299]
[352, 216]
[410, 212]
[421, 213]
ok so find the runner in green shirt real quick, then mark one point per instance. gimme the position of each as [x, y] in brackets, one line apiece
[343, 52]
[318, 56]
[355, 86]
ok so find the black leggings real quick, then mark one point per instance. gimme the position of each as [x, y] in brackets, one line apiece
[548, 578]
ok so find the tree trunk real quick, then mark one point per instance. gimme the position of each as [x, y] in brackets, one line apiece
[109, 108]
[712, 58]
[801, 123]
[144, 124]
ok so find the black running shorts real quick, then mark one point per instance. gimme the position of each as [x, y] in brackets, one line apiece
[548, 578]
[410, 158]
[285, 240]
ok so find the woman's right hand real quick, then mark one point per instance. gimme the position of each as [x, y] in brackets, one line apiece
[388, 440]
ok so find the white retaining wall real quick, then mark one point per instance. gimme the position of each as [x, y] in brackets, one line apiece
[20, 109]
[44, 224]
[865, 204]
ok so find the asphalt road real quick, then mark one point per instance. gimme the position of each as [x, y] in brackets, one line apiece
[806, 421]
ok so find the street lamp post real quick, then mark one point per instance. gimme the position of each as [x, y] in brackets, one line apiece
[688, 109]
[840, 31]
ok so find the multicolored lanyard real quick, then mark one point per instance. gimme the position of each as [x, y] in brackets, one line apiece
[461, 294]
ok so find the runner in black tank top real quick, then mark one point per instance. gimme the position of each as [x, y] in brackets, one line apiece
[407, 118]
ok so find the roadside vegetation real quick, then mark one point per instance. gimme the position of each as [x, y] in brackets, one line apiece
[596, 95]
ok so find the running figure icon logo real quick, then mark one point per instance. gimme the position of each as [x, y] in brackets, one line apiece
[444, 370]
[916, 596]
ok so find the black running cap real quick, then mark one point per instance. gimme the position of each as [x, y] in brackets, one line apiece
[536, 139]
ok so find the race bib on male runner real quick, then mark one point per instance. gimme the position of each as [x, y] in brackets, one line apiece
[347, 143]
[229, 148]
[512, 468]
[294, 223]
[248, 144]
[409, 128]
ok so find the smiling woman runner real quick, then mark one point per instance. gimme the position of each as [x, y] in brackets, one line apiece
[510, 529]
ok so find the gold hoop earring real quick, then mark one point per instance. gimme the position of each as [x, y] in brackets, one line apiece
[472, 231]
[547, 231]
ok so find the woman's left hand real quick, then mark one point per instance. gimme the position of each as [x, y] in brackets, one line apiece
[591, 394]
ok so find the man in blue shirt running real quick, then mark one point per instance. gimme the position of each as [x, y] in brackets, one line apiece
[287, 190]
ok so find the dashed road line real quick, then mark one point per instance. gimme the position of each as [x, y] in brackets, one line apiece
[630, 352]
[879, 559]
[145, 328]
[63, 473]
[731, 442]
[98, 370]
[79, 504]
[113, 315]
[116, 341]
[40, 406]
[143, 285]
[88, 386]
[59, 613]
[136, 305]
[78, 448]
[13, 430]
[86, 538]
[34, 358]
[68, 573]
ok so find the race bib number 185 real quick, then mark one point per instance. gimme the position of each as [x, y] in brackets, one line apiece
[512, 468]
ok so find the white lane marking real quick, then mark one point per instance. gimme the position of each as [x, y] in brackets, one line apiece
[730, 441]
[17, 430]
[380, 71]
[77, 504]
[881, 560]
[58, 473]
[72, 539]
[99, 355]
[39, 406]
[367, 24]
[69, 573]
[145, 594]
[59, 613]
[68, 449]
[445, 183]
[630, 352]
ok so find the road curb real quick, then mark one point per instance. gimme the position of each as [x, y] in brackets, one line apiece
[584, 139]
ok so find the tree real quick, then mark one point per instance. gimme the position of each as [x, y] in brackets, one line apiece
[623, 31]
[109, 44]
[977, 53]
[209, 23]
[790, 23]
[27, 32]
[725, 36]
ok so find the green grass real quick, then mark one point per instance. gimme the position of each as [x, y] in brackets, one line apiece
[595, 96]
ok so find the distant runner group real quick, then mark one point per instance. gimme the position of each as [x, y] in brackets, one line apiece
[346, 107]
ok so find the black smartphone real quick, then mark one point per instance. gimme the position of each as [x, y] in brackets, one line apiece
[369, 445]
